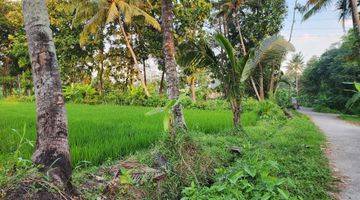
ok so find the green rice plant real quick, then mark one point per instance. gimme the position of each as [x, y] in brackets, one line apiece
[101, 132]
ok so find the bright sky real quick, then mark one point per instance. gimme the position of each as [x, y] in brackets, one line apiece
[318, 33]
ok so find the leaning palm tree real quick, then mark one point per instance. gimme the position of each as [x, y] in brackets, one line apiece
[345, 6]
[295, 68]
[99, 13]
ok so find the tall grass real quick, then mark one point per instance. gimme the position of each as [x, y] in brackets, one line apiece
[101, 132]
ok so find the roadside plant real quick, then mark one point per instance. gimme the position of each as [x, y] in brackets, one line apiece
[356, 97]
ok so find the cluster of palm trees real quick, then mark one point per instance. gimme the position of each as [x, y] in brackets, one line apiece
[52, 149]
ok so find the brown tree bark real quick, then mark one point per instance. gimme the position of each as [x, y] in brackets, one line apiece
[52, 148]
[170, 64]
[192, 88]
[101, 71]
[161, 88]
[236, 110]
[261, 83]
[272, 82]
[136, 63]
[355, 15]
[144, 70]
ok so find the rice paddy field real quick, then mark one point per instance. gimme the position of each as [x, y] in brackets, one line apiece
[100, 132]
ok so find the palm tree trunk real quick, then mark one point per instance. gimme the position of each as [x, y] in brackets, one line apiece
[192, 88]
[101, 72]
[293, 21]
[261, 83]
[137, 68]
[144, 69]
[255, 88]
[272, 82]
[297, 85]
[170, 64]
[161, 88]
[242, 44]
[52, 148]
[355, 15]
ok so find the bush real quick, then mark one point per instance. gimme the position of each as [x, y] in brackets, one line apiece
[80, 93]
[264, 109]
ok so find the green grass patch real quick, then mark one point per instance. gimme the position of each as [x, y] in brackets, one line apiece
[101, 132]
[279, 161]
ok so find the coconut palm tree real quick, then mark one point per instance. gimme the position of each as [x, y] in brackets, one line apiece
[99, 13]
[52, 148]
[295, 68]
[172, 77]
[345, 6]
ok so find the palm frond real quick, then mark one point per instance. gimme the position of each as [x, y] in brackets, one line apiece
[314, 6]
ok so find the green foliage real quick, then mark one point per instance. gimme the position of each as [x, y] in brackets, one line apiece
[264, 109]
[79, 93]
[99, 132]
[323, 80]
[277, 162]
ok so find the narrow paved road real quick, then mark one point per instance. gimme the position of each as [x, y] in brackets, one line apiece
[344, 139]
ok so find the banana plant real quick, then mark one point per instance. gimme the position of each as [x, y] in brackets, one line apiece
[235, 71]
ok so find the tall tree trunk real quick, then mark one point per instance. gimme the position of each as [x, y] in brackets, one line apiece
[297, 84]
[136, 63]
[293, 21]
[161, 88]
[238, 26]
[101, 71]
[272, 82]
[355, 15]
[52, 148]
[144, 70]
[261, 83]
[255, 88]
[178, 121]
[192, 88]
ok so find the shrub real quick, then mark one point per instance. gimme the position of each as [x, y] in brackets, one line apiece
[80, 93]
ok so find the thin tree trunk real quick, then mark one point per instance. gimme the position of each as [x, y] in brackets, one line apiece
[161, 88]
[136, 63]
[242, 44]
[293, 21]
[144, 70]
[52, 148]
[255, 88]
[272, 82]
[297, 84]
[170, 64]
[261, 83]
[192, 88]
[101, 72]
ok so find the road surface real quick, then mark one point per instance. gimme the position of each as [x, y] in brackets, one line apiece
[344, 139]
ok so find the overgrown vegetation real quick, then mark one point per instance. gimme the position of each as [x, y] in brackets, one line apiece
[323, 81]
[274, 157]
